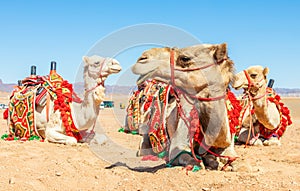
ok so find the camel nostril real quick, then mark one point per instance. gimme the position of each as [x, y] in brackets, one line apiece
[142, 58]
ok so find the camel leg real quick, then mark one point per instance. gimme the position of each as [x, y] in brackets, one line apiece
[55, 131]
[272, 141]
[229, 151]
[40, 123]
[145, 147]
[52, 135]
[180, 142]
[243, 137]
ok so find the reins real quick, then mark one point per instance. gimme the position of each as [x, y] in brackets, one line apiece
[188, 121]
[192, 132]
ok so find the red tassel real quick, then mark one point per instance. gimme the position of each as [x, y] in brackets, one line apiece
[5, 114]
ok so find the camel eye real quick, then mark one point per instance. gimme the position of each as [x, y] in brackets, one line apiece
[253, 75]
[185, 59]
[97, 63]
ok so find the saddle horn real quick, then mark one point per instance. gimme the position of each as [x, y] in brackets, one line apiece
[19, 82]
[53, 65]
[33, 70]
[271, 83]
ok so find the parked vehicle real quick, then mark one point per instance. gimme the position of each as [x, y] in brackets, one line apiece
[3, 106]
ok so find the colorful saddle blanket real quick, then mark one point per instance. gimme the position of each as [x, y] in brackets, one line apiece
[285, 118]
[21, 111]
[147, 106]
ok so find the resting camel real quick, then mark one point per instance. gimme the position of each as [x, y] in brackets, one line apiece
[200, 75]
[84, 114]
[266, 121]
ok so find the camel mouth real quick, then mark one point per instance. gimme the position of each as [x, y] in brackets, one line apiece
[144, 67]
[116, 70]
[144, 77]
[240, 86]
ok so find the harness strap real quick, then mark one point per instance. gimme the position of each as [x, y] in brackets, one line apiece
[172, 66]
[47, 106]
[193, 69]
[250, 105]
[101, 77]
[186, 120]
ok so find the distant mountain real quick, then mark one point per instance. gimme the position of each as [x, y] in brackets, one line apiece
[6, 87]
[115, 89]
[110, 89]
[288, 92]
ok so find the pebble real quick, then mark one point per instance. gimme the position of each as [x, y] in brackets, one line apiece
[58, 173]
[11, 181]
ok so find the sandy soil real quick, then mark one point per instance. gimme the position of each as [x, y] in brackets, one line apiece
[113, 165]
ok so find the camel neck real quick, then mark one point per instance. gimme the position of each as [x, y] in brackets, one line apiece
[266, 112]
[87, 111]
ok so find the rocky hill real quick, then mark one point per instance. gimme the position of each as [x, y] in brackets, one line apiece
[6, 87]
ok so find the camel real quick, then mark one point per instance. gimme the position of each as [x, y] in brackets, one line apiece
[201, 75]
[254, 82]
[85, 113]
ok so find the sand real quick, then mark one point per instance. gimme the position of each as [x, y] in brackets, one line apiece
[114, 166]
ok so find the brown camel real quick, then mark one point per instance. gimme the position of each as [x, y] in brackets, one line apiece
[266, 112]
[201, 74]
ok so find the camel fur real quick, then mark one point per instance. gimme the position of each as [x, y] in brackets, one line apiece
[209, 82]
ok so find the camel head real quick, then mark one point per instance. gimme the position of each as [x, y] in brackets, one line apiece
[257, 77]
[149, 61]
[201, 70]
[98, 66]
[96, 70]
[155, 63]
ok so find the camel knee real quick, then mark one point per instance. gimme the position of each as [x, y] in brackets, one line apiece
[70, 141]
[210, 162]
[145, 147]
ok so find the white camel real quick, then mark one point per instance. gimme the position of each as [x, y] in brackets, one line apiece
[84, 114]
[254, 81]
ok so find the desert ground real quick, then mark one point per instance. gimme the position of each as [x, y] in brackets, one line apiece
[112, 165]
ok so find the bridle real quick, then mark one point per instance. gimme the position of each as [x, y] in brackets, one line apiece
[187, 120]
[100, 76]
[172, 66]
[250, 104]
[89, 90]
[77, 99]
[251, 85]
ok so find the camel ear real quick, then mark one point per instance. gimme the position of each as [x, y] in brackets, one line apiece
[85, 59]
[221, 52]
[266, 71]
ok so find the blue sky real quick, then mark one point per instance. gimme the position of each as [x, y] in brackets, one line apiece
[257, 32]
